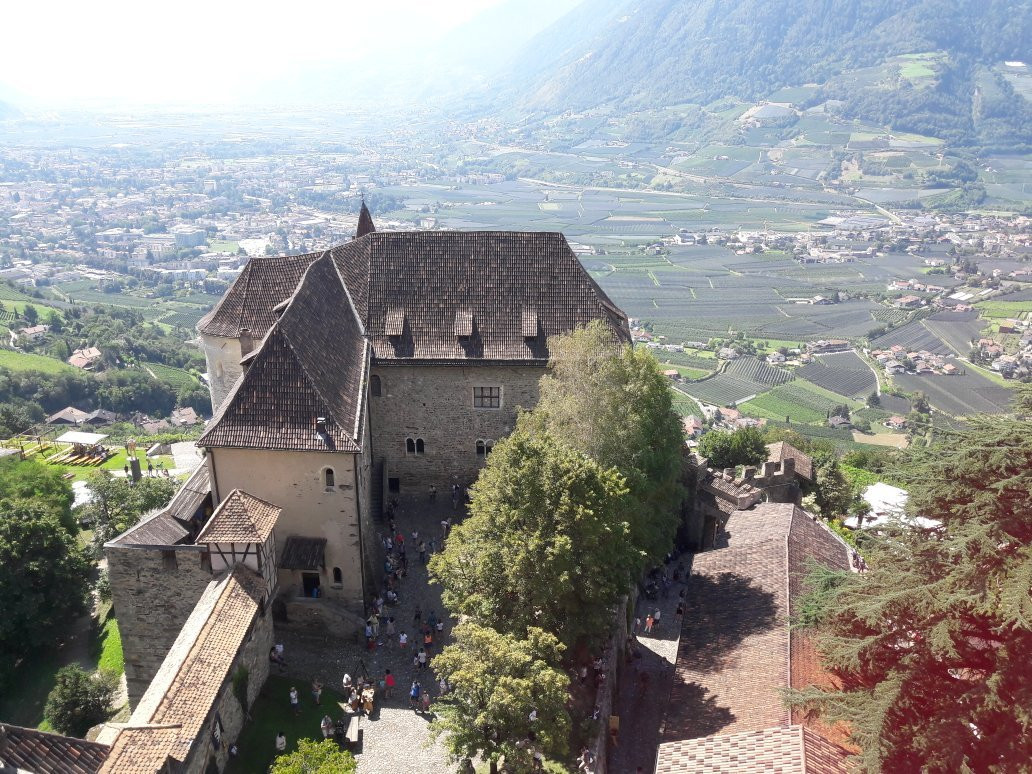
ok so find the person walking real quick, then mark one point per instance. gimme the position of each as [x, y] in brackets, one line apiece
[433, 493]
[403, 640]
[422, 658]
[656, 616]
[422, 551]
[281, 742]
[417, 616]
[295, 700]
[316, 691]
[648, 623]
[388, 684]
[414, 695]
[326, 726]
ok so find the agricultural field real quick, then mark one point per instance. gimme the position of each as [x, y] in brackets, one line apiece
[843, 373]
[961, 395]
[798, 401]
[183, 318]
[1018, 310]
[175, 377]
[25, 361]
[956, 329]
[743, 379]
[913, 337]
[7, 293]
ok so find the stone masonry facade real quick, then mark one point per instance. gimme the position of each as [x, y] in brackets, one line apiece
[154, 590]
[435, 404]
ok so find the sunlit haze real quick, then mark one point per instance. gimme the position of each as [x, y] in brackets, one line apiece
[208, 52]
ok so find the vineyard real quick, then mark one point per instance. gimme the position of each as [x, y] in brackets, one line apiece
[800, 401]
[743, 379]
[174, 377]
[183, 319]
[756, 370]
[7, 293]
[840, 375]
[913, 337]
[962, 394]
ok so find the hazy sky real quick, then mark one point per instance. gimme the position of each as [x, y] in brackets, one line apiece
[201, 50]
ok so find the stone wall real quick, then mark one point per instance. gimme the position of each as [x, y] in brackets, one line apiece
[254, 655]
[435, 404]
[154, 591]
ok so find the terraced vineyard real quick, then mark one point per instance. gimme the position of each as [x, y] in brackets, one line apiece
[7, 293]
[798, 401]
[743, 379]
[183, 319]
[844, 373]
[912, 337]
[175, 377]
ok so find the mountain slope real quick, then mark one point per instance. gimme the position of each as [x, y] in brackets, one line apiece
[653, 53]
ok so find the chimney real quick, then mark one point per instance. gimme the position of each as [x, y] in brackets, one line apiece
[729, 474]
[246, 341]
[788, 466]
[749, 474]
[770, 468]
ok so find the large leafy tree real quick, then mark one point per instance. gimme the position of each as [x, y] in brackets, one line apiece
[44, 580]
[79, 700]
[744, 446]
[932, 644]
[611, 402]
[41, 485]
[545, 544]
[312, 757]
[496, 681]
[118, 503]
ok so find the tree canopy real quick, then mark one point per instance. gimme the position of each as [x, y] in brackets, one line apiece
[495, 682]
[611, 402]
[118, 503]
[312, 757]
[931, 644]
[545, 544]
[79, 700]
[745, 446]
[44, 580]
[40, 485]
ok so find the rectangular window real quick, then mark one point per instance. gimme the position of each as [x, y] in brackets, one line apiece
[487, 397]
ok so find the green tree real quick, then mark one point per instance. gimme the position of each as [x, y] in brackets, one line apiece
[54, 321]
[545, 544]
[931, 644]
[496, 681]
[40, 485]
[873, 399]
[44, 580]
[118, 503]
[30, 314]
[79, 700]
[312, 757]
[745, 446]
[611, 402]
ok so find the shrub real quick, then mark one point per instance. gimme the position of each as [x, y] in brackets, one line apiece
[79, 700]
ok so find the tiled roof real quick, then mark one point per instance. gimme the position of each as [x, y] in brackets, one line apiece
[497, 283]
[781, 749]
[240, 518]
[310, 365]
[168, 526]
[302, 553]
[26, 749]
[187, 685]
[777, 452]
[249, 302]
[736, 652]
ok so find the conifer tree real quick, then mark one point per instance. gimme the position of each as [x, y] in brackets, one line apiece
[932, 645]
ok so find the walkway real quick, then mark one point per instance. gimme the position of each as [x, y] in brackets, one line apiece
[395, 740]
[644, 685]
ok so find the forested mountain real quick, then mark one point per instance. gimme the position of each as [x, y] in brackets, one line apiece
[655, 53]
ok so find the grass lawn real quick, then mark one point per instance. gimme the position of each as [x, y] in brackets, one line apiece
[271, 713]
[118, 462]
[23, 704]
[224, 246]
[26, 361]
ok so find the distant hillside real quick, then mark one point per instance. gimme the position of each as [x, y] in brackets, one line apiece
[655, 53]
[8, 111]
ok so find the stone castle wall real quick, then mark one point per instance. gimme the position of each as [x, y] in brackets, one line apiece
[435, 404]
[153, 591]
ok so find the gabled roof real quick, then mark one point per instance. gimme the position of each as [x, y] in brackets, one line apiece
[442, 281]
[249, 302]
[310, 365]
[736, 652]
[240, 518]
[786, 750]
[26, 749]
[780, 451]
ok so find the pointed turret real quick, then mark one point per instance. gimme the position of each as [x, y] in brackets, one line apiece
[365, 222]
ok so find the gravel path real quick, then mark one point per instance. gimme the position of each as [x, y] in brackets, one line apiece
[395, 740]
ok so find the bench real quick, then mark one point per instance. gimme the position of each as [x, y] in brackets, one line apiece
[351, 734]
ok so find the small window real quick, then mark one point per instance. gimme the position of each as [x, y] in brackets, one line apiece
[488, 448]
[410, 446]
[219, 370]
[375, 386]
[329, 479]
[419, 446]
[338, 576]
[481, 448]
[487, 397]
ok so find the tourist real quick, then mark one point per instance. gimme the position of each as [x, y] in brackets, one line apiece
[276, 657]
[421, 658]
[656, 617]
[680, 610]
[295, 701]
[422, 551]
[316, 691]
[403, 640]
[455, 493]
[433, 546]
[414, 694]
[636, 626]
[440, 626]
[234, 751]
[347, 683]
[428, 639]
[388, 684]
[417, 616]
[649, 620]
[374, 624]
[445, 524]
[433, 493]
[389, 630]
[326, 726]
[431, 620]
[583, 673]
[281, 742]
[426, 702]
[442, 687]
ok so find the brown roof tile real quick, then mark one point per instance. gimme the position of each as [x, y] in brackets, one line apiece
[249, 302]
[143, 751]
[777, 452]
[240, 518]
[781, 749]
[26, 749]
[303, 553]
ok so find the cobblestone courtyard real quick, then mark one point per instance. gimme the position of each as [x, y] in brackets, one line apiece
[396, 740]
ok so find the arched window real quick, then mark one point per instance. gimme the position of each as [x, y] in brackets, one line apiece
[419, 446]
[338, 576]
[219, 370]
[374, 386]
[410, 446]
[329, 479]
[488, 448]
[481, 448]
